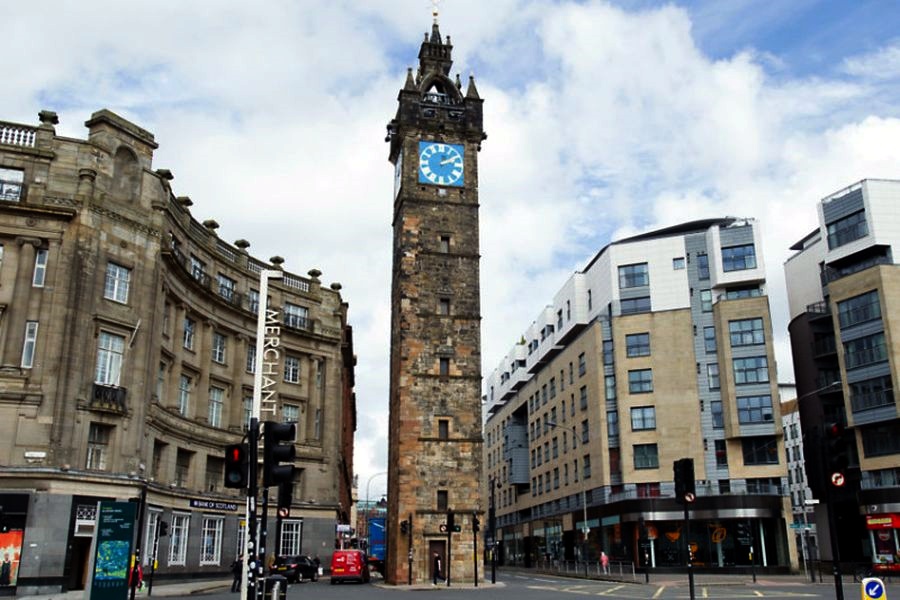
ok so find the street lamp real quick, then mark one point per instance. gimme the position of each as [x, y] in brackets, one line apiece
[369, 506]
[585, 529]
[492, 526]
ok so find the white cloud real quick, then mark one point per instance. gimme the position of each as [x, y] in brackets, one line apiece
[600, 120]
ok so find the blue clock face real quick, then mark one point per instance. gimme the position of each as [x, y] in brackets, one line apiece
[441, 164]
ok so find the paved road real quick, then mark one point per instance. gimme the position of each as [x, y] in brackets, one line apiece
[526, 585]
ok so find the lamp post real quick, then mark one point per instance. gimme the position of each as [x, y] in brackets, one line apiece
[369, 506]
[585, 530]
[492, 526]
[138, 549]
[829, 491]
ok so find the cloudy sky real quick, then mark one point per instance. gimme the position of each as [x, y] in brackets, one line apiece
[604, 119]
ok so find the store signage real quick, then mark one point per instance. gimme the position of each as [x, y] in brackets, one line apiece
[213, 505]
[889, 521]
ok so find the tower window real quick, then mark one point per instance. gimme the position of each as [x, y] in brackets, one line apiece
[444, 306]
[445, 244]
[444, 366]
[442, 501]
[444, 429]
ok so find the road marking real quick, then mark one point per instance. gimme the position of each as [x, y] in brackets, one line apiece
[659, 592]
[610, 591]
[758, 593]
[705, 592]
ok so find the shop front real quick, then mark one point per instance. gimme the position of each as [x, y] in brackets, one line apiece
[883, 531]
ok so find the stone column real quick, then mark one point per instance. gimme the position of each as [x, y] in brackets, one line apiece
[86, 178]
[179, 312]
[18, 309]
[203, 348]
[235, 415]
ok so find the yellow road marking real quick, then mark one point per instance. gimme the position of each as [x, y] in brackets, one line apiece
[610, 591]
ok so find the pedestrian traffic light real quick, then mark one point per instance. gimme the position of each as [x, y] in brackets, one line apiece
[236, 463]
[285, 497]
[278, 447]
[837, 453]
[404, 527]
[476, 524]
[163, 528]
[685, 490]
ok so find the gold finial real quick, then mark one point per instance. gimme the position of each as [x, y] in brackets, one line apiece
[434, 10]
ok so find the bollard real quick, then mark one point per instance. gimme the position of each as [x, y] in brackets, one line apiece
[276, 587]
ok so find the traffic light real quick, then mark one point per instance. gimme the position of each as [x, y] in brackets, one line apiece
[476, 524]
[278, 447]
[837, 453]
[285, 497]
[163, 528]
[685, 490]
[236, 463]
[404, 527]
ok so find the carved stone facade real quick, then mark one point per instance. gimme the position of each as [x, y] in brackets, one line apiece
[127, 334]
[435, 458]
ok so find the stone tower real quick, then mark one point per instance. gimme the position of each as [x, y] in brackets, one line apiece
[435, 395]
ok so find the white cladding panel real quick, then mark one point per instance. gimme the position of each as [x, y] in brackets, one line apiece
[669, 287]
[801, 272]
[882, 198]
[598, 286]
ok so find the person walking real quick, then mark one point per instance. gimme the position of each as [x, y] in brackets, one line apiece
[436, 571]
[604, 562]
[237, 569]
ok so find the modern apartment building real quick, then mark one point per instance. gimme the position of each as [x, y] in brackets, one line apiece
[802, 500]
[660, 349]
[843, 289]
[127, 357]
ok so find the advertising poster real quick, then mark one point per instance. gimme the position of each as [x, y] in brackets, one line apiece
[10, 551]
[112, 555]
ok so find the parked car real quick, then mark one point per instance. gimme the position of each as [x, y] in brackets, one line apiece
[349, 565]
[296, 568]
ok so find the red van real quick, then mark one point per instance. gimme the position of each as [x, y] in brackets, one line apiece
[349, 565]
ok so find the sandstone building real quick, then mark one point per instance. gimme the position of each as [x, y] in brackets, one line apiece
[127, 344]
[660, 349]
[435, 440]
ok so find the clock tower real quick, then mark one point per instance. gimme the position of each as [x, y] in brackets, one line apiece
[435, 460]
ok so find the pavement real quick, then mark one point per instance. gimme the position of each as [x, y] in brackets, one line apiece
[160, 590]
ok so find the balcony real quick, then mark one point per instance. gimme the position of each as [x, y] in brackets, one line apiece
[13, 134]
[108, 398]
[818, 308]
[297, 322]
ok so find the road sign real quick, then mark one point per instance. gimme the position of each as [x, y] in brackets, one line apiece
[797, 525]
[837, 479]
[689, 497]
[443, 528]
[873, 589]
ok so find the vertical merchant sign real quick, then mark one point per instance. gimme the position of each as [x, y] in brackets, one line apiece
[113, 546]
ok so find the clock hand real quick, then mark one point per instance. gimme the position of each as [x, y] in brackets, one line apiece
[447, 161]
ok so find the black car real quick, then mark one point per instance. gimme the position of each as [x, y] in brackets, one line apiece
[296, 568]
